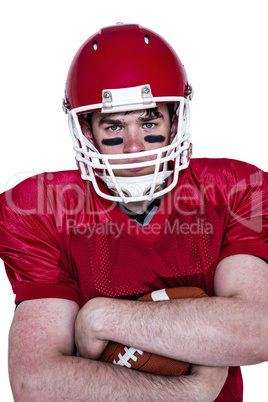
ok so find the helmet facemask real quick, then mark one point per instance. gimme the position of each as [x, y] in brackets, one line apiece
[95, 166]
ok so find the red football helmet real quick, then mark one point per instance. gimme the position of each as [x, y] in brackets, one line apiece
[125, 68]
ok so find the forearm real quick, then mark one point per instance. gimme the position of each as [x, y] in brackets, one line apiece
[69, 378]
[42, 366]
[220, 331]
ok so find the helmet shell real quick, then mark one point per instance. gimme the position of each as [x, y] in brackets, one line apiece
[124, 56]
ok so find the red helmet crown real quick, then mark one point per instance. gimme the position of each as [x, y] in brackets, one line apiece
[124, 56]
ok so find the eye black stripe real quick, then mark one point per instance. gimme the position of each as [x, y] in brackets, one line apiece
[112, 141]
[148, 138]
[154, 138]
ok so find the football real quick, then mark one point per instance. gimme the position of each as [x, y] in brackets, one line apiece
[136, 359]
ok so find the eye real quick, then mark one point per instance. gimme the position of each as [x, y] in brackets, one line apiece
[149, 125]
[113, 128]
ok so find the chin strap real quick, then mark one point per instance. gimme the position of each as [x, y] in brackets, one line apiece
[136, 186]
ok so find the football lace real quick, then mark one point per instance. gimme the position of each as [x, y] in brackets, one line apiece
[129, 355]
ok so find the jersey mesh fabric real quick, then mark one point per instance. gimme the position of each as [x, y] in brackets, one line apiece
[75, 245]
[123, 266]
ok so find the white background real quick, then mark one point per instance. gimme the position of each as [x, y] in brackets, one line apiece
[223, 45]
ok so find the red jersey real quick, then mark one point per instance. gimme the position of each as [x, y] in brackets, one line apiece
[58, 238]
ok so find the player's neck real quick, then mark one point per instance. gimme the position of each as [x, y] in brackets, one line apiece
[137, 207]
[145, 217]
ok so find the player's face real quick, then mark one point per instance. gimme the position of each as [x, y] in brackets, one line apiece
[129, 132]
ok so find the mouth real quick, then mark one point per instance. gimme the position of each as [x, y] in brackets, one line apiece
[135, 169]
[130, 162]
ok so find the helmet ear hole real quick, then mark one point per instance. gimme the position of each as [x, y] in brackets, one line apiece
[95, 45]
[146, 39]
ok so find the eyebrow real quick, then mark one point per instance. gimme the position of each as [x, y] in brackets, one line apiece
[151, 117]
[112, 120]
[109, 120]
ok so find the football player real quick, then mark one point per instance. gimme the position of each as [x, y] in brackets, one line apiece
[138, 215]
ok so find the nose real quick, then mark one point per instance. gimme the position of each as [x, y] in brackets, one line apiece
[133, 141]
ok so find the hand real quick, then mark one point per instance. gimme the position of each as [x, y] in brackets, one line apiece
[88, 343]
[208, 381]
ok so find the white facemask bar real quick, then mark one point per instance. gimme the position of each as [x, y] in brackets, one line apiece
[89, 159]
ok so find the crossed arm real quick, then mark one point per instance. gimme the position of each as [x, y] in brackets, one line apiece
[42, 367]
[230, 329]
